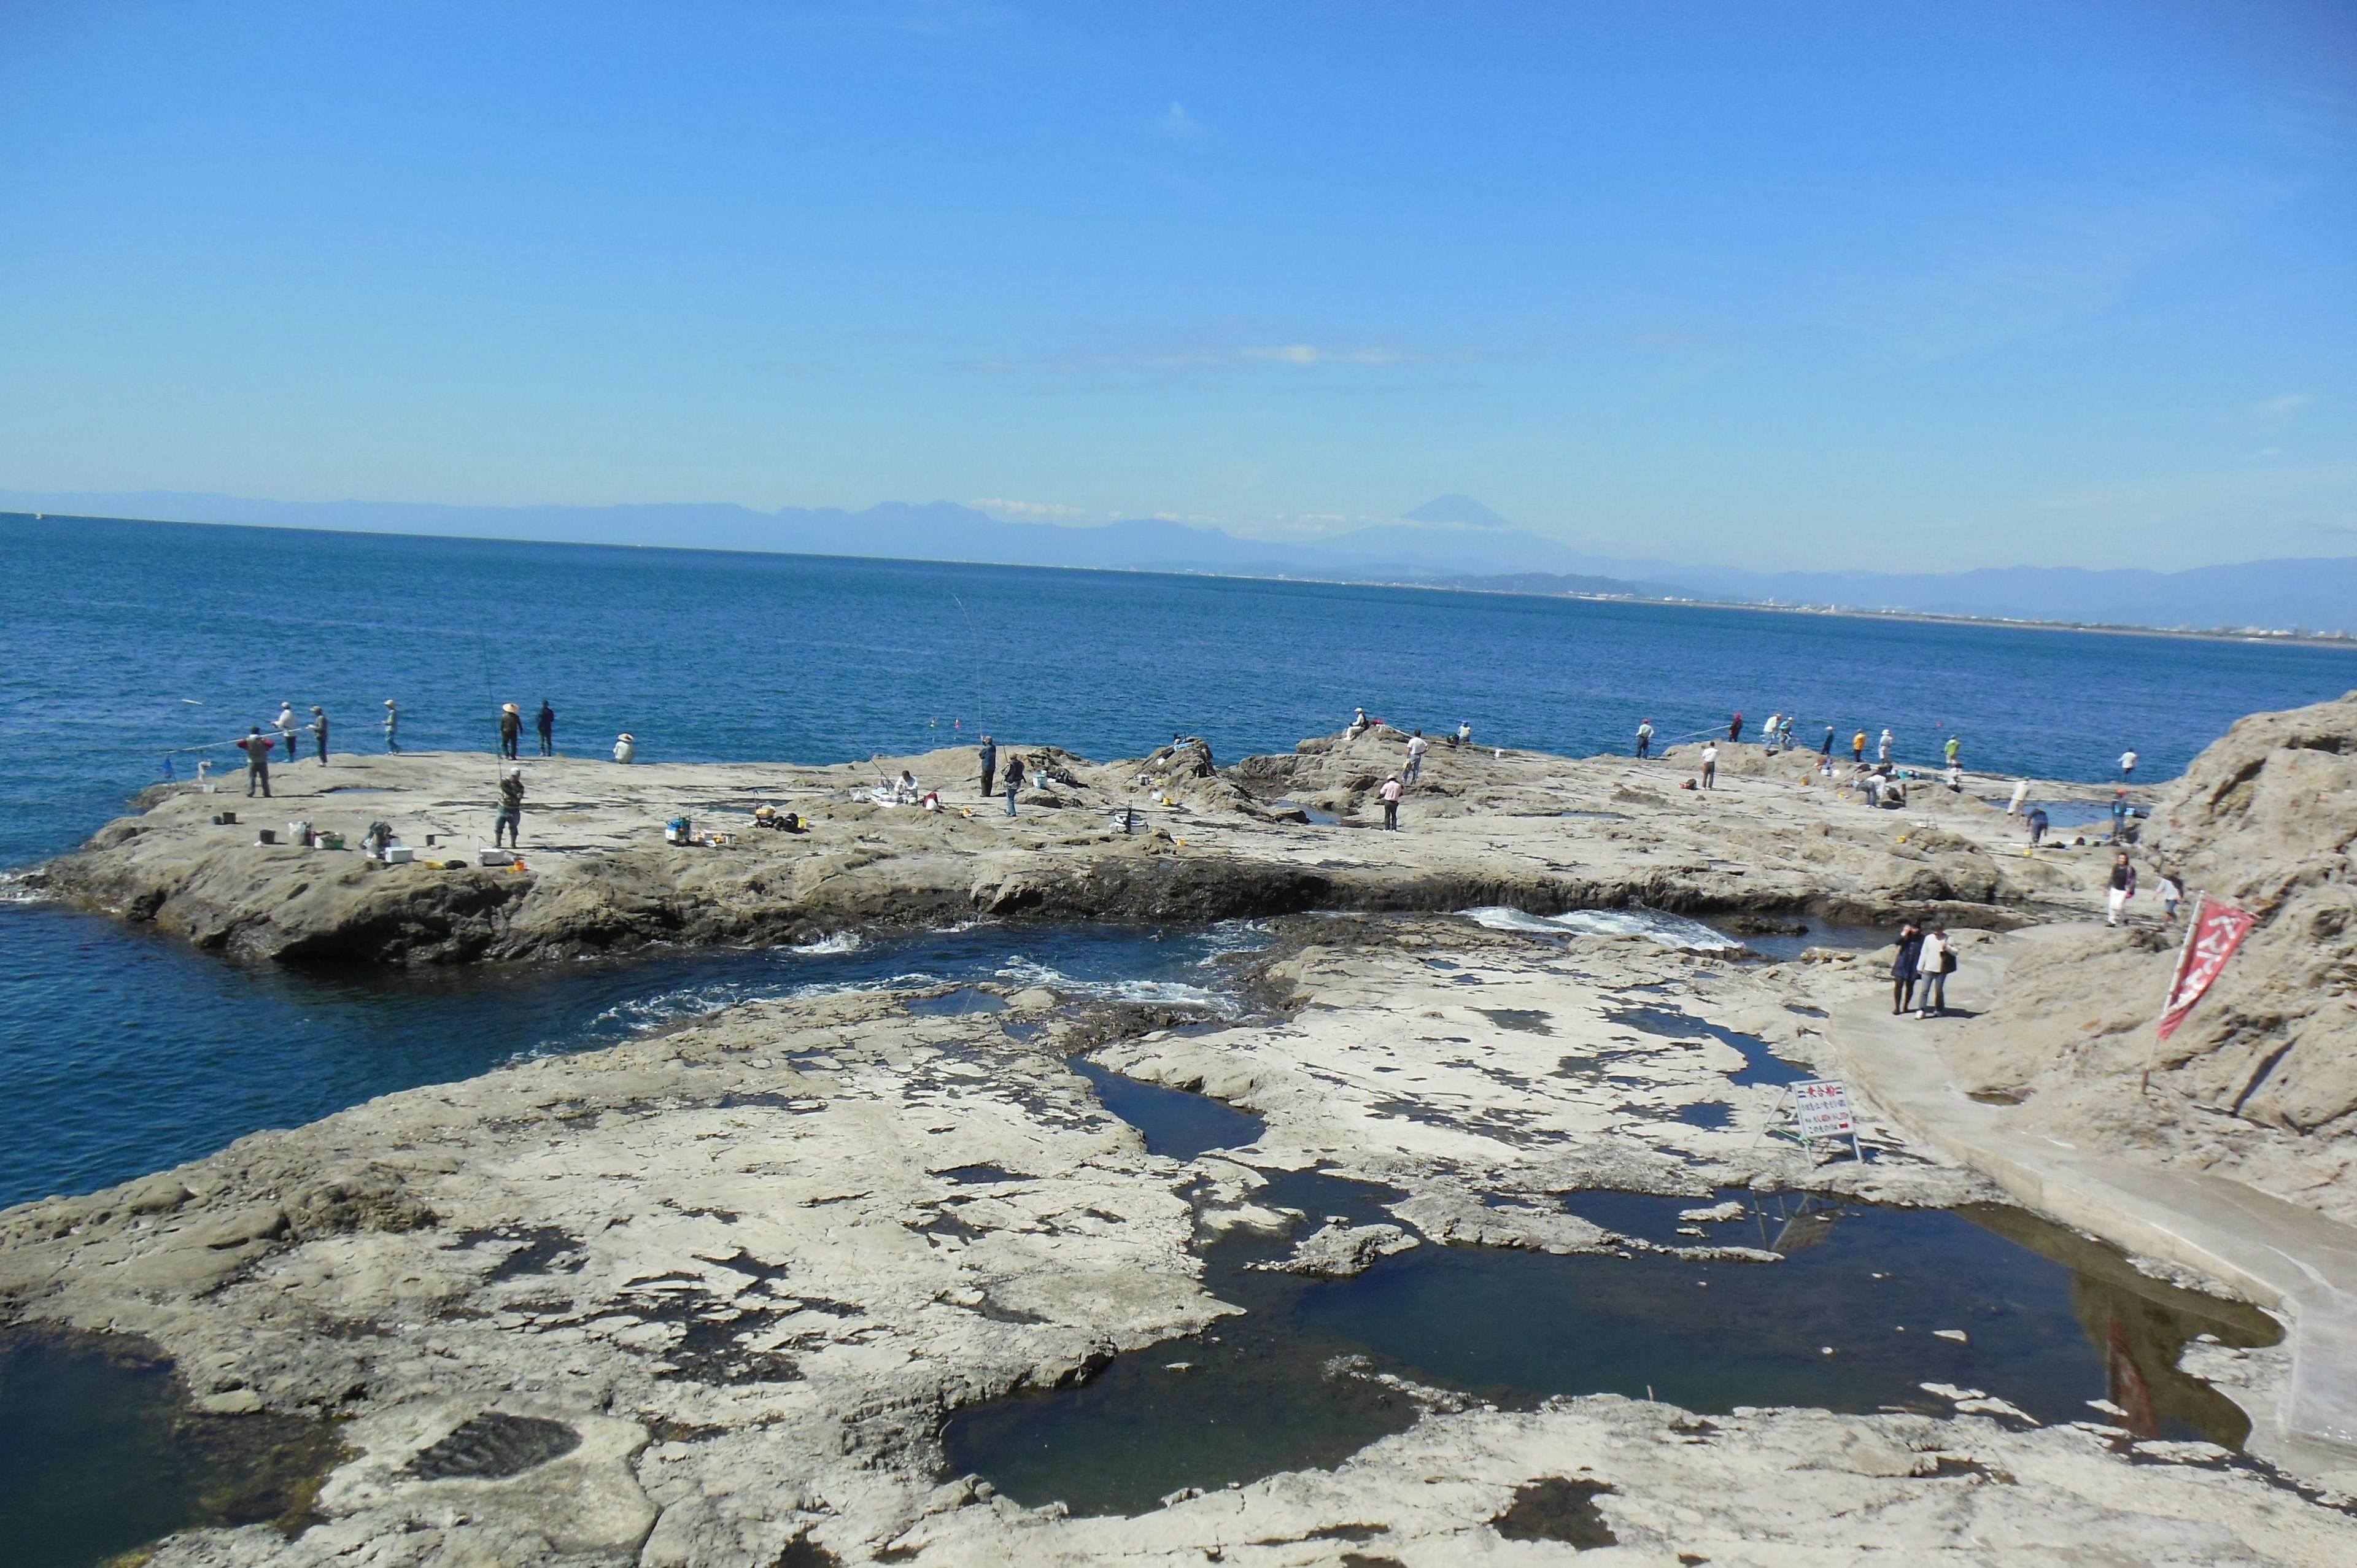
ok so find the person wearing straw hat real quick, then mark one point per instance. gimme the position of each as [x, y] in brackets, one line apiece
[626, 747]
[510, 729]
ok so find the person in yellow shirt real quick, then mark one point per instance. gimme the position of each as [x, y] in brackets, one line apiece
[1857, 747]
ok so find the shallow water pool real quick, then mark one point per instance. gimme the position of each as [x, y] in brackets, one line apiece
[1848, 1320]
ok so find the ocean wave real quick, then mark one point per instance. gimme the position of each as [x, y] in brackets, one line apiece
[1226, 939]
[13, 891]
[1669, 930]
[834, 942]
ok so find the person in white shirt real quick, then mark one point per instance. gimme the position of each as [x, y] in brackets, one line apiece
[1933, 964]
[1390, 795]
[1417, 746]
[1710, 766]
[1882, 753]
[285, 726]
[2128, 765]
[2020, 793]
[1645, 738]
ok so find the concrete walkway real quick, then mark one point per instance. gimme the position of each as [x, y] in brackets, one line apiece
[2279, 1254]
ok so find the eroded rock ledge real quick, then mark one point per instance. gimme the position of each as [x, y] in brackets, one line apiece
[1537, 832]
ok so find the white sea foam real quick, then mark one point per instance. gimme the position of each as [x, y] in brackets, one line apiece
[838, 942]
[13, 891]
[1169, 992]
[1669, 930]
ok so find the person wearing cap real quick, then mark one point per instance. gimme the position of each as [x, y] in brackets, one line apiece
[285, 726]
[320, 732]
[626, 747]
[1391, 793]
[510, 729]
[391, 726]
[511, 817]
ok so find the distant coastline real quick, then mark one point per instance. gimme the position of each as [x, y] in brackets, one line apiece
[1507, 587]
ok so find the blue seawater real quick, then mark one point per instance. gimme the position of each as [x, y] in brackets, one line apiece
[122, 641]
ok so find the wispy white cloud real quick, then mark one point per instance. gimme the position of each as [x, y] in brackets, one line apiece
[1179, 123]
[2287, 403]
[1030, 512]
[1228, 348]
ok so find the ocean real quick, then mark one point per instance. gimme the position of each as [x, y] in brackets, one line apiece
[124, 642]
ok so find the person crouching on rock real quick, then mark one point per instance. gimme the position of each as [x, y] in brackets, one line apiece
[510, 818]
[1390, 794]
[1903, 968]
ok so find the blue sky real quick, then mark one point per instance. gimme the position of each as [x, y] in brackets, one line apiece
[1908, 287]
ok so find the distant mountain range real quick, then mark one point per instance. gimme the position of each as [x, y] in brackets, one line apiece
[1454, 542]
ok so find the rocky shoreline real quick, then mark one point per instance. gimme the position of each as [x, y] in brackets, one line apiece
[1536, 832]
[710, 1296]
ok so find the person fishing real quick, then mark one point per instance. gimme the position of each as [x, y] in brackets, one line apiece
[320, 732]
[285, 726]
[1903, 970]
[545, 722]
[1014, 779]
[1645, 737]
[989, 764]
[1735, 726]
[511, 817]
[626, 748]
[1827, 750]
[1857, 747]
[1882, 748]
[256, 747]
[510, 729]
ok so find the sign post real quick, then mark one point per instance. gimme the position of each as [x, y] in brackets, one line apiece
[2213, 930]
[1821, 1114]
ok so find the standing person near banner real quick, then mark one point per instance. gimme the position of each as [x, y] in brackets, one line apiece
[2123, 888]
[2172, 894]
[1902, 967]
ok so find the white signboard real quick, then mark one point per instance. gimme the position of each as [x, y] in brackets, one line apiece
[1821, 1110]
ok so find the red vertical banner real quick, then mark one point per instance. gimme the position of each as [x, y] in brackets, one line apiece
[2211, 934]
